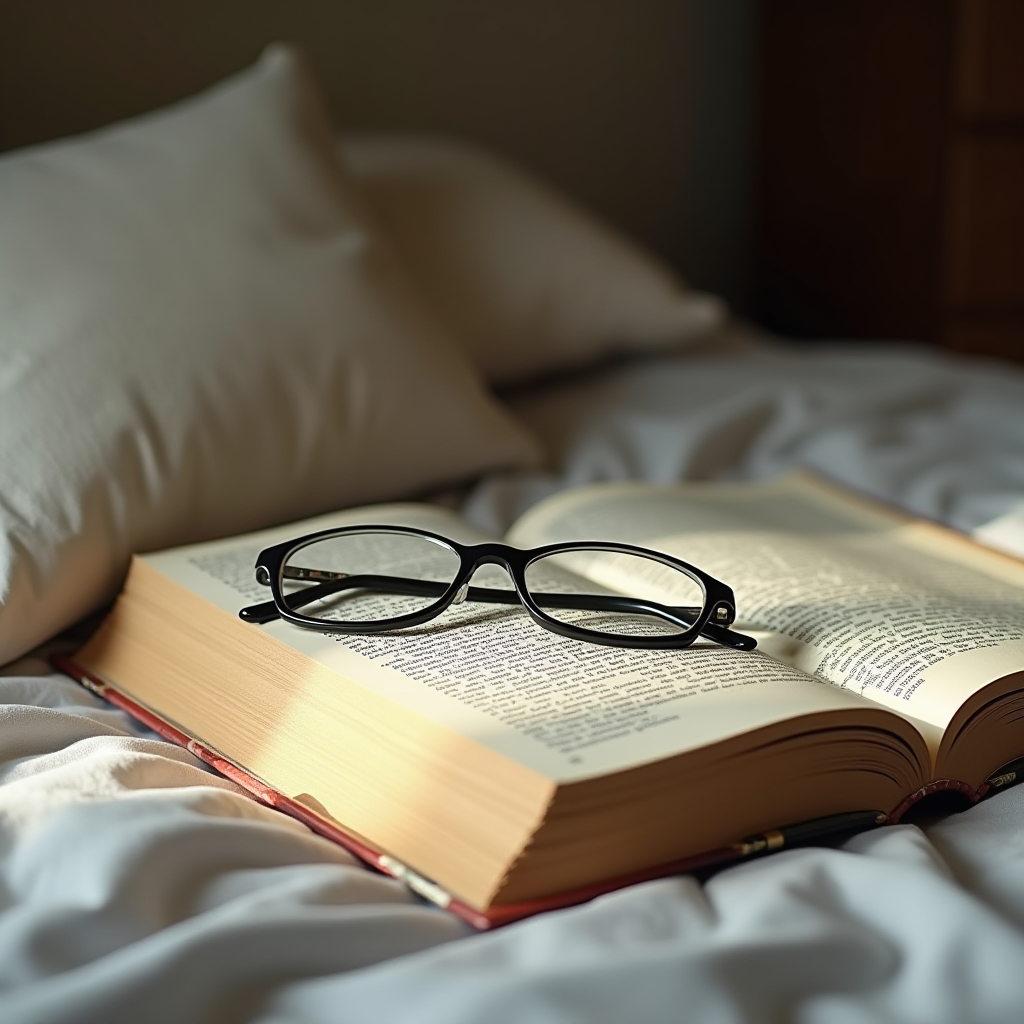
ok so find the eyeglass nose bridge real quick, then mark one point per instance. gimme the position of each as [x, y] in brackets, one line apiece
[476, 558]
[485, 554]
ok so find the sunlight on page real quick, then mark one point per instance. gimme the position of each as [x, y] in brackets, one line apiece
[866, 613]
[563, 708]
[855, 595]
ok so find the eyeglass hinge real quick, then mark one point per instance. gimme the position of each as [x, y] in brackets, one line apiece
[723, 614]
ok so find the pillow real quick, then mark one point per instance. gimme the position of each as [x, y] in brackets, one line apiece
[201, 334]
[528, 281]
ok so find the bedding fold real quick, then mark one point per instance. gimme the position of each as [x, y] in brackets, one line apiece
[136, 885]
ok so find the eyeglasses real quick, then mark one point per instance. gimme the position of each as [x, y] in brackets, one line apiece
[373, 579]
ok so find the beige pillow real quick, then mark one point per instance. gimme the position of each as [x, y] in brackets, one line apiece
[528, 281]
[201, 334]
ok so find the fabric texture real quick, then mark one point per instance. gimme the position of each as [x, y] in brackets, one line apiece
[528, 281]
[202, 333]
[937, 434]
[138, 886]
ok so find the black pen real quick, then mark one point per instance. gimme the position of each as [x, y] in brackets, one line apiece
[809, 832]
[1010, 774]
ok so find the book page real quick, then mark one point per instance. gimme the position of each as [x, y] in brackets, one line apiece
[862, 599]
[564, 708]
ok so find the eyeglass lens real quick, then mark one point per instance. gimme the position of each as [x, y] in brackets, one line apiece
[365, 577]
[615, 592]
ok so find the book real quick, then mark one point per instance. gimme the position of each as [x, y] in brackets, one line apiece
[500, 769]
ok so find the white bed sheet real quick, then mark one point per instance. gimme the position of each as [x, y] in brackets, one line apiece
[939, 435]
[137, 886]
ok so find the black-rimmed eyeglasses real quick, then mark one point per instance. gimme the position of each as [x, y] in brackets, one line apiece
[373, 579]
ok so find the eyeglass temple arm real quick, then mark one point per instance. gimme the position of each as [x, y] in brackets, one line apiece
[681, 616]
[431, 588]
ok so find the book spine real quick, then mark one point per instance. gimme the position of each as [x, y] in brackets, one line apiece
[938, 786]
[1010, 774]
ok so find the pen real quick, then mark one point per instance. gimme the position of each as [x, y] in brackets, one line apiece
[1007, 775]
[809, 832]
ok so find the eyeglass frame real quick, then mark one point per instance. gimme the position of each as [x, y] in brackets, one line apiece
[719, 600]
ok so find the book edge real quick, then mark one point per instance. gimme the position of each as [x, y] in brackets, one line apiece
[496, 916]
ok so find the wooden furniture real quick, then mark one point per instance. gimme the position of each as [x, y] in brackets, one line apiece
[890, 173]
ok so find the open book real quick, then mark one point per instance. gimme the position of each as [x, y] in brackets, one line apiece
[500, 768]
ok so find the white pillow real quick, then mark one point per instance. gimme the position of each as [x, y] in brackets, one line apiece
[528, 281]
[201, 334]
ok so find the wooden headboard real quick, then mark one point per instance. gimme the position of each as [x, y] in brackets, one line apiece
[638, 107]
[891, 171]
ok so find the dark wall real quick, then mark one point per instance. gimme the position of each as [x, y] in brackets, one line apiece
[638, 107]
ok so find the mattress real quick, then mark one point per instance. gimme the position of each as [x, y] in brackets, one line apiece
[137, 885]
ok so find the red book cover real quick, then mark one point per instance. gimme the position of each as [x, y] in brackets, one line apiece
[504, 914]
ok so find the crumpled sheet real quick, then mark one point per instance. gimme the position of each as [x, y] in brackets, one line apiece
[137, 886]
[939, 435]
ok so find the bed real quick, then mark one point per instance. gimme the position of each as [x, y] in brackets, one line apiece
[138, 885]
